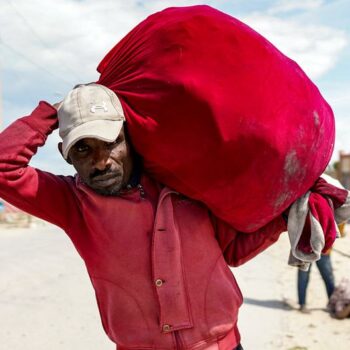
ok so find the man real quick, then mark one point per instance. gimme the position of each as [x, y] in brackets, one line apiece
[157, 260]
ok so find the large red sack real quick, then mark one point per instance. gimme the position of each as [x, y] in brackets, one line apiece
[219, 114]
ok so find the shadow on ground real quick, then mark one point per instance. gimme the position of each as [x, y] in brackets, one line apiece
[272, 304]
[278, 304]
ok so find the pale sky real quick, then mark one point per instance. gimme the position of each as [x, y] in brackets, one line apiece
[48, 46]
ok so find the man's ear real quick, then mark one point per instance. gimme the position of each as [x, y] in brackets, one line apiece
[60, 149]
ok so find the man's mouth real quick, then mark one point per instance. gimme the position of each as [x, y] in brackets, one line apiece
[106, 180]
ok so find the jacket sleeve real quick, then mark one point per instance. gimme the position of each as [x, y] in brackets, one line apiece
[239, 247]
[39, 193]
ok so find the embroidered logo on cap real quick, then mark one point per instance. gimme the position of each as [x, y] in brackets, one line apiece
[101, 107]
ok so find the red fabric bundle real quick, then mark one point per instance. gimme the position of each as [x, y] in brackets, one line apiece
[219, 114]
[324, 199]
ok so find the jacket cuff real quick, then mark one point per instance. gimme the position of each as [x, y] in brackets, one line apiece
[43, 119]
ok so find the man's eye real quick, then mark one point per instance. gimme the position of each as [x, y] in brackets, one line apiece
[82, 148]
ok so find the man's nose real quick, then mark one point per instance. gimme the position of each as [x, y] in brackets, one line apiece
[102, 159]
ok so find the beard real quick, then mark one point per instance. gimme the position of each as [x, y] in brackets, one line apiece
[110, 186]
[112, 191]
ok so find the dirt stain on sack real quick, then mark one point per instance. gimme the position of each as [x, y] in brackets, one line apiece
[316, 119]
[291, 164]
[291, 169]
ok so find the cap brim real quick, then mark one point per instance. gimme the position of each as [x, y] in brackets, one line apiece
[105, 130]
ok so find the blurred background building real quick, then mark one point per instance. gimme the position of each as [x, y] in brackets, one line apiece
[340, 169]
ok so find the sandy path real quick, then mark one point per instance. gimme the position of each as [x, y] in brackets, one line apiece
[269, 319]
[46, 301]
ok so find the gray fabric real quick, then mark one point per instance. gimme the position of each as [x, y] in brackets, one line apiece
[296, 221]
[342, 213]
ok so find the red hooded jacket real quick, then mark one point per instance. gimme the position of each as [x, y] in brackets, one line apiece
[157, 261]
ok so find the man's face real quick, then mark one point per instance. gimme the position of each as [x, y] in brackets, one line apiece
[104, 167]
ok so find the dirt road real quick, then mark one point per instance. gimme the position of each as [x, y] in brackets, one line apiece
[46, 301]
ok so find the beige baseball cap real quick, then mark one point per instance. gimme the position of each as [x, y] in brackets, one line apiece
[90, 110]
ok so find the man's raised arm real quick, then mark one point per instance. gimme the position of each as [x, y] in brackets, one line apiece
[37, 192]
[239, 247]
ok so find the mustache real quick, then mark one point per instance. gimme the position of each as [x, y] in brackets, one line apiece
[98, 172]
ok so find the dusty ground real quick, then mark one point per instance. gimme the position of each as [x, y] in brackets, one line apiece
[269, 318]
[46, 301]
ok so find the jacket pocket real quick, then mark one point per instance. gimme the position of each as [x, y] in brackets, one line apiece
[122, 316]
[223, 299]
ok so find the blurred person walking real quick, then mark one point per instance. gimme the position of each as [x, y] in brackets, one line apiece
[324, 265]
